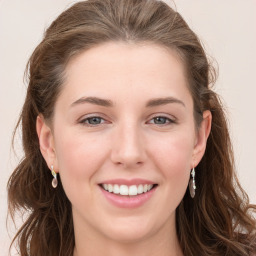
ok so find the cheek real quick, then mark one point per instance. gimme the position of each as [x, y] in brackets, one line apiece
[173, 157]
[79, 157]
[175, 150]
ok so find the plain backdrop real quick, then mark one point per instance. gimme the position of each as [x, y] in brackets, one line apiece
[227, 30]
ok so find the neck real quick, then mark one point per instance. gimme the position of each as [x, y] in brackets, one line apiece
[164, 242]
[118, 249]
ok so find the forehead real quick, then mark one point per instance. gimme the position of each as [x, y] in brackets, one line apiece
[112, 56]
[125, 68]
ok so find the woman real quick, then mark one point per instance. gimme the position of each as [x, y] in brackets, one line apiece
[127, 149]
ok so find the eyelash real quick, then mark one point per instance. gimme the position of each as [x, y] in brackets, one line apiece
[85, 121]
[169, 121]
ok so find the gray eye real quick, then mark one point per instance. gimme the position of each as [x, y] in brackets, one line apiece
[94, 120]
[160, 120]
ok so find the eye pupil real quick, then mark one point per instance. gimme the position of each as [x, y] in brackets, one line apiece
[94, 120]
[160, 120]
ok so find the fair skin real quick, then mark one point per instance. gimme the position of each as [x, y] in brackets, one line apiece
[133, 135]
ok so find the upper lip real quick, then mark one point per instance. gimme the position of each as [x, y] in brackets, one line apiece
[127, 182]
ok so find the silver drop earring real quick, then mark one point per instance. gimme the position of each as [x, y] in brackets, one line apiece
[192, 184]
[54, 180]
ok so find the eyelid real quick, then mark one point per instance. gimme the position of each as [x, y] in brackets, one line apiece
[92, 115]
[89, 115]
[172, 119]
[168, 121]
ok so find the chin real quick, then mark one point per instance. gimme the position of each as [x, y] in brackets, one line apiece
[128, 237]
[129, 231]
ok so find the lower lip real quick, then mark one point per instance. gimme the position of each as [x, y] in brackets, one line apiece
[128, 201]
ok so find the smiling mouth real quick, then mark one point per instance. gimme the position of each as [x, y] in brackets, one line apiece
[124, 190]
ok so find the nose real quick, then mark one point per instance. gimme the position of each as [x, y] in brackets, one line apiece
[128, 147]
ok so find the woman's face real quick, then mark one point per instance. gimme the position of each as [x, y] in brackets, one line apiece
[124, 120]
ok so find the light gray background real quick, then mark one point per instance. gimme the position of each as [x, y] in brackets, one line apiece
[227, 29]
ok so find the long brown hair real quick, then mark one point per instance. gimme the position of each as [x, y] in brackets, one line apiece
[218, 221]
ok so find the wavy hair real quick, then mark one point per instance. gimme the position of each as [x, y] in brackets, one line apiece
[218, 221]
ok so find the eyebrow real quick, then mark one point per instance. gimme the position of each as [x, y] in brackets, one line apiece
[163, 101]
[93, 100]
[109, 103]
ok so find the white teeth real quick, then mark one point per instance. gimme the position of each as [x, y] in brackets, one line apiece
[140, 189]
[125, 190]
[150, 186]
[116, 189]
[133, 190]
[110, 188]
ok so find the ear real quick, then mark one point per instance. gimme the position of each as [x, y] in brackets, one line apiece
[46, 142]
[202, 136]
